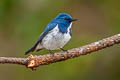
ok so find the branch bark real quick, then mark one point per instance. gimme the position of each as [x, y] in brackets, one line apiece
[35, 61]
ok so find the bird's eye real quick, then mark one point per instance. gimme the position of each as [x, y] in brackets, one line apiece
[66, 18]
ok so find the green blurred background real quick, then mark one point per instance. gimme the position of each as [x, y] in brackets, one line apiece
[22, 21]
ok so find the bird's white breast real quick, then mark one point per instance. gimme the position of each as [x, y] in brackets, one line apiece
[55, 39]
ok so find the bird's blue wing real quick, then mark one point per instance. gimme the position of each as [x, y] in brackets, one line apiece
[48, 28]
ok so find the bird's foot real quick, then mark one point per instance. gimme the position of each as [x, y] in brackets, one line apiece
[52, 53]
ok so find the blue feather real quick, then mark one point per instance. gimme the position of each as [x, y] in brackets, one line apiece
[63, 21]
[62, 24]
[48, 28]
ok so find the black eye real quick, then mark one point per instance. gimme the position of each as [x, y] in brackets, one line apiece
[66, 19]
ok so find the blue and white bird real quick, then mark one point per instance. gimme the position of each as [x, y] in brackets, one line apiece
[56, 34]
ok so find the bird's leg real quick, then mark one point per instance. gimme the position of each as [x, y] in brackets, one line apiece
[64, 50]
[51, 53]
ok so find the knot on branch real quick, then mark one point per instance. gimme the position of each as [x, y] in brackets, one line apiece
[31, 63]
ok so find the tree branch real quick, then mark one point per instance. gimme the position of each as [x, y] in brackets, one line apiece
[35, 61]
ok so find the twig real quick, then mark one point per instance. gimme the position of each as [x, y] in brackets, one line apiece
[35, 61]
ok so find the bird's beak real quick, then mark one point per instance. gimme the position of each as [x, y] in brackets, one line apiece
[73, 20]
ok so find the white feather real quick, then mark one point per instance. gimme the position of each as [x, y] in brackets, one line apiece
[55, 39]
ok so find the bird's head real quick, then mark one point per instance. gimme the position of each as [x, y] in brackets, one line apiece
[64, 17]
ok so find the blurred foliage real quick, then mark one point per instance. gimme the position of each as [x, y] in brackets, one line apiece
[22, 21]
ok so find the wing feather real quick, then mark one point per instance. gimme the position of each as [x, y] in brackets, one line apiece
[48, 28]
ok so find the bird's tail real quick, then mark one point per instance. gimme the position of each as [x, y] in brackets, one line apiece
[30, 50]
[33, 49]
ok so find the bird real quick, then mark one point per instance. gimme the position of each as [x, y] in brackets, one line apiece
[55, 35]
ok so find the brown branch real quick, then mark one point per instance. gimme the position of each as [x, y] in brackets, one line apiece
[35, 61]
